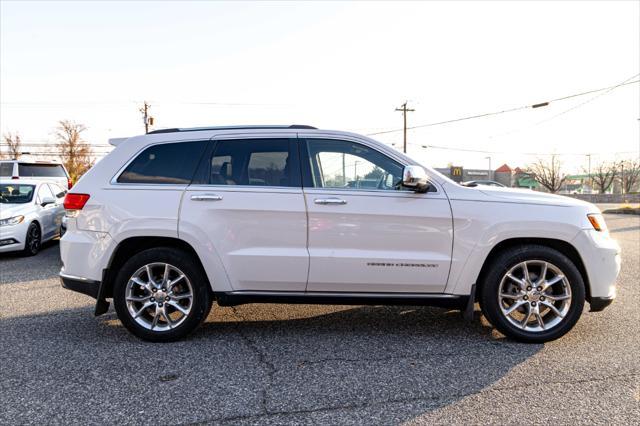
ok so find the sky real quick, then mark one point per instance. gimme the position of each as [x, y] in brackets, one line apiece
[334, 65]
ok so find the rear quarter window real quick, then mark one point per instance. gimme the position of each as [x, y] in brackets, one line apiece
[169, 163]
[6, 169]
[41, 170]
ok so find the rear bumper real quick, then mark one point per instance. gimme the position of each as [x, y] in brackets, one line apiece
[80, 285]
[599, 303]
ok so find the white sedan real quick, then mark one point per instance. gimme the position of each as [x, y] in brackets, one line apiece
[30, 214]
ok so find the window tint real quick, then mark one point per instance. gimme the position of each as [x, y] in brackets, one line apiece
[258, 162]
[40, 170]
[11, 193]
[170, 163]
[44, 192]
[6, 169]
[349, 165]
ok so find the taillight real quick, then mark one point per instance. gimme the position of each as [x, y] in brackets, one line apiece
[69, 183]
[15, 177]
[75, 201]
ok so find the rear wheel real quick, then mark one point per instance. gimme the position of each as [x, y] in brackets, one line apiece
[533, 294]
[161, 294]
[33, 240]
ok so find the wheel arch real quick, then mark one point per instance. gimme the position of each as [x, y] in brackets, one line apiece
[562, 246]
[133, 245]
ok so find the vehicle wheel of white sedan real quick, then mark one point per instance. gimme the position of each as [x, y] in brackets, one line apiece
[161, 294]
[33, 240]
[532, 294]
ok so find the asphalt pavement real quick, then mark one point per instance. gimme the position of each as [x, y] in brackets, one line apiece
[306, 364]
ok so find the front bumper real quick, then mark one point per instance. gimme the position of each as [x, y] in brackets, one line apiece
[12, 237]
[602, 260]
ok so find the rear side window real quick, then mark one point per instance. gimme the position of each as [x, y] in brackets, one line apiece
[169, 163]
[40, 170]
[254, 162]
[6, 169]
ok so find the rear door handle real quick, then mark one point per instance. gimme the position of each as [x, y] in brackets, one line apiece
[331, 201]
[206, 197]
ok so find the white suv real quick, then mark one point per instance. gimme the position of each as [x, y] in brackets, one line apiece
[170, 221]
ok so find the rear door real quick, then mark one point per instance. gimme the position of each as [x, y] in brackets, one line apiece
[246, 205]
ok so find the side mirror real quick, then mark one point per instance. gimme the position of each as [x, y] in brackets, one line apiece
[47, 201]
[416, 178]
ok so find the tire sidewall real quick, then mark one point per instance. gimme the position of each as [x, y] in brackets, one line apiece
[505, 261]
[27, 241]
[201, 303]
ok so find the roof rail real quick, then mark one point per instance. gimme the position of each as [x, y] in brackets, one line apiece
[198, 129]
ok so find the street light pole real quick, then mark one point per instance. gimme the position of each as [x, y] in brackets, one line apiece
[490, 171]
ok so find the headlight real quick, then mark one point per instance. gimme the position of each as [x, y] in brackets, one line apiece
[12, 220]
[597, 221]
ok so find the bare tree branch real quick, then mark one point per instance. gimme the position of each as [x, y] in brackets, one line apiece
[630, 170]
[548, 173]
[74, 151]
[14, 144]
[603, 176]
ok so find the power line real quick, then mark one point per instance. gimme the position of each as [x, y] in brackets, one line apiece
[536, 105]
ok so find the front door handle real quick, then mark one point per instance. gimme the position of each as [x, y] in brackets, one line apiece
[331, 201]
[206, 197]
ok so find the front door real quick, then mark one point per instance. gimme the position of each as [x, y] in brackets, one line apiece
[246, 205]
[366, 232]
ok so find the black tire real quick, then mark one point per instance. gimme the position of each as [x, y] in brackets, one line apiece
[200, 303]
[33, 240]
[490, 304]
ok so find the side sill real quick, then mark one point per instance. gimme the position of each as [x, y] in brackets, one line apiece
[322, 298]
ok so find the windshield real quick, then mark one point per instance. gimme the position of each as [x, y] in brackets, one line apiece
[15, 194]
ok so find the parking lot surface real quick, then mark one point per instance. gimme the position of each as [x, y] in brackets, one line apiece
[277, 364]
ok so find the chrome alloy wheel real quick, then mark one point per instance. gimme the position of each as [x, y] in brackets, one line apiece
[159, 296]
[534, 295]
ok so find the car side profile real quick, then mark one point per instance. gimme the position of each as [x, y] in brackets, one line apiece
[31, 213]
[171, 221]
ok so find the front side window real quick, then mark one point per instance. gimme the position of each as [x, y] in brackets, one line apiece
[350, 165]
[169, 163]
[44, 192]
[253, 162]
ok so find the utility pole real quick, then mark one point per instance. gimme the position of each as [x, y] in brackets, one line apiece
[148, 121]
[404, 110]
[490, 177]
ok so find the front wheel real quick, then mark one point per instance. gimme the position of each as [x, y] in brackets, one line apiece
[33, 240]
[533, 294]
[161, 294]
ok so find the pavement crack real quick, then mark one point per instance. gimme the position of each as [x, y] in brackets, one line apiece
[262, 358]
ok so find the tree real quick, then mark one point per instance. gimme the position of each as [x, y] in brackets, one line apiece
[375, 173]
[630, 175]
[14, 143]
[74, 151]
[548, 173]
[603, 176]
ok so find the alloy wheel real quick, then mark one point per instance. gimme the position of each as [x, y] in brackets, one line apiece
[534, 296]
[159, 296]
